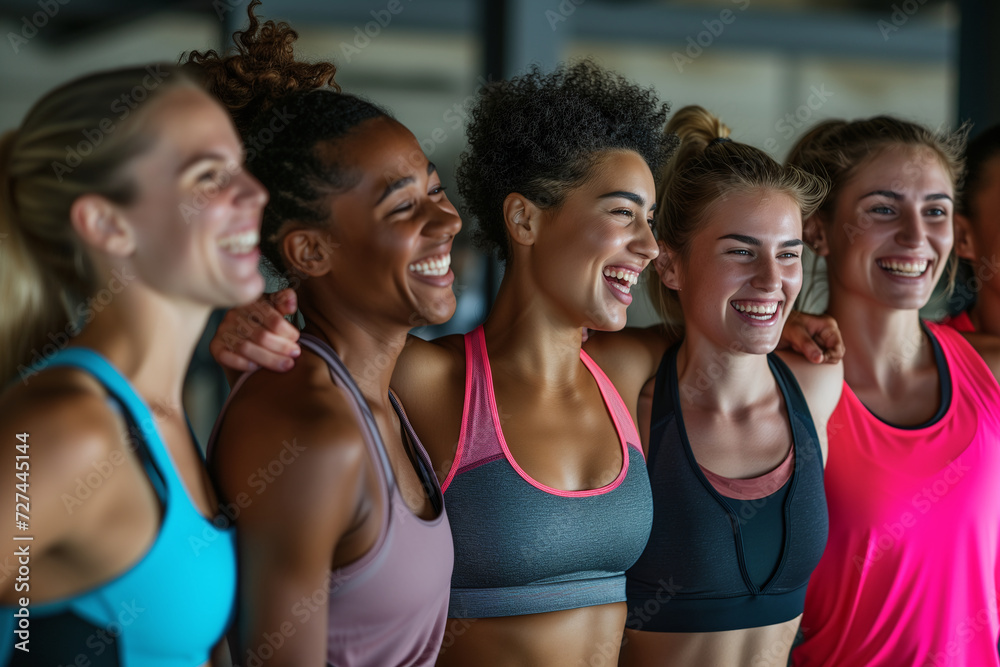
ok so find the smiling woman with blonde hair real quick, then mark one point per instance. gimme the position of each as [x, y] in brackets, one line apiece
[109, 271]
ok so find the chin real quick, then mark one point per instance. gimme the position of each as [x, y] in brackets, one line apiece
[245, 293]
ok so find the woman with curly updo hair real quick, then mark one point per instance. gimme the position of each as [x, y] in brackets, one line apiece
[344, 545]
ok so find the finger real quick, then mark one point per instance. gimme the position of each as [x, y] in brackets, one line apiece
[833, 344]
[275, 323]
[274, 343]
[263, 357]
[809, 349]
[233, 361]
[285, 301]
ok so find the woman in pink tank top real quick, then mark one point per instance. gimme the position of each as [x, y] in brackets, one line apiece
[344, 545]
[909, 576]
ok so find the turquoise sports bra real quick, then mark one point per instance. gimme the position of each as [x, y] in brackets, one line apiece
[171, 607]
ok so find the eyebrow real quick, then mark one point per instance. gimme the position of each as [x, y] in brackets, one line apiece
[206, 156]
[402, 183]
[750, 240]
[631, 196]
[895, 195]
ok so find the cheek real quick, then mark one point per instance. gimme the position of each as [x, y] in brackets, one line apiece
[792, 280]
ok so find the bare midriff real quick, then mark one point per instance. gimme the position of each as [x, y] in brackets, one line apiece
[570, 638]
[767, 646]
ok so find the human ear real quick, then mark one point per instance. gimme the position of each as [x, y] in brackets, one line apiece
[667, 265]
[102, 225]
[814, 234]
[522, 218]
[310, 251]
[965, 244]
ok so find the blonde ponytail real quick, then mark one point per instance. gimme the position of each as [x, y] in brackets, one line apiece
[68, 145]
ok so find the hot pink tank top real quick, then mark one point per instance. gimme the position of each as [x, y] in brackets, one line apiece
[910, 572]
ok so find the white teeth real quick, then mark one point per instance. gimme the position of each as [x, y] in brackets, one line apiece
[432, 266]
[241, 243]
[907, 269]
[630, 278]
[763, 311]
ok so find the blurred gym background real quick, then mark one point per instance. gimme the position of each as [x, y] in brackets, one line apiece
[769, 68]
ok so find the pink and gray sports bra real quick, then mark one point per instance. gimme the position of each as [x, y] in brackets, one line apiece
[522, 547]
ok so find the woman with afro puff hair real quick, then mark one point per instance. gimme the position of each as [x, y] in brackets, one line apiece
[544, 477]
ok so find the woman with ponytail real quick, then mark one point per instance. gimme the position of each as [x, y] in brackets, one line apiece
[910, 572]
[734, 432]
[126, 218]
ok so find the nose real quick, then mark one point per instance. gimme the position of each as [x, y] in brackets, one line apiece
[443, 221]
[644, 243]
[767, 277]
[251, 190]
[911, 232]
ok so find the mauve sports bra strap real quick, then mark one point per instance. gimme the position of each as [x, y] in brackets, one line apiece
[363, 413]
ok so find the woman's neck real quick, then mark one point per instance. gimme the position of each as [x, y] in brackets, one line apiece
[148, 337]
[530, 340]
[720, 379]
[882, 344]
[368, 350]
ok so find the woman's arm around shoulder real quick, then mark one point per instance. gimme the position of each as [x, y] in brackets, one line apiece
[821, 384]
[294, 463]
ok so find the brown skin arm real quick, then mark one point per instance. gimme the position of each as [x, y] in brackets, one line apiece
[290, 523]
[429, 378]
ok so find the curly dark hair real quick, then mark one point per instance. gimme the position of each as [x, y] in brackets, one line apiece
[537, 134]
[299, 170]
[289, 114]
[262, 70]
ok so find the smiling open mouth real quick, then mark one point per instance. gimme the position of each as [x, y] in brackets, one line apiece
[761, 311]
[621, 279]
[240, 243]
[432, 266]
[902, 268]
